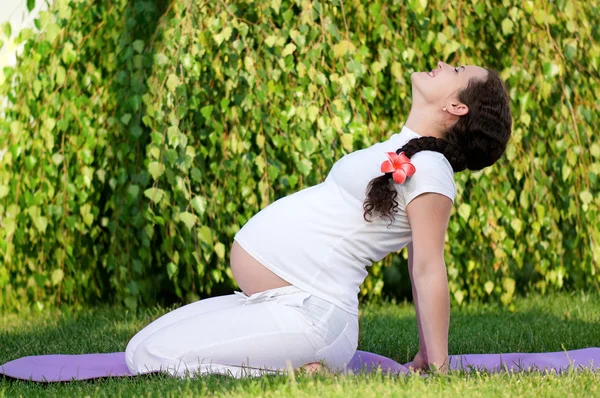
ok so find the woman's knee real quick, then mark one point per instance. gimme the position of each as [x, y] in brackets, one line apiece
[132, 346]
[141, 358]
[140, 354]
[130, 351]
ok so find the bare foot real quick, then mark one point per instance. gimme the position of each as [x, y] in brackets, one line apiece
[312, 368]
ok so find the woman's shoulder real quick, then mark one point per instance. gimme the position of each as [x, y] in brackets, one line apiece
[431, 160]
[433, 173]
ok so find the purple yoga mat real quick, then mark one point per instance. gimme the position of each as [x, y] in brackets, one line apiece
[53, 368]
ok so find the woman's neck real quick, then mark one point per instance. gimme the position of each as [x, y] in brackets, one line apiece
[423, 122]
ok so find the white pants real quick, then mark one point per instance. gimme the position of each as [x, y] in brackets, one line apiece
[242, 336]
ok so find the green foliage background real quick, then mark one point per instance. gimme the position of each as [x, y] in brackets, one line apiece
[139, 136]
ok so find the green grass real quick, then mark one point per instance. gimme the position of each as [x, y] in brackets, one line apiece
[538, 323]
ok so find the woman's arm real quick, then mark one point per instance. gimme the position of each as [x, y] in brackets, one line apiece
[428, 215]
[422, 354]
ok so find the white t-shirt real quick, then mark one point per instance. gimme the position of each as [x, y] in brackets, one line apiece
[317, 238]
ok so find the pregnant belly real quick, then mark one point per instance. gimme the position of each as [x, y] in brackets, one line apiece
[250, 275]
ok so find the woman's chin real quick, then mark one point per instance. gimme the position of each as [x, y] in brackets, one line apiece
[418, 79]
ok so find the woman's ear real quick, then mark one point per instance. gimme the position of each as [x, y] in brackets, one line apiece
[457, 108]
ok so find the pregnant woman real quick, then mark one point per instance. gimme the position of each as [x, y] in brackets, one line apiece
[300, 261]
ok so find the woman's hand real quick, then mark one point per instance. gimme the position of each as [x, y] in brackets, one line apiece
[418, 363]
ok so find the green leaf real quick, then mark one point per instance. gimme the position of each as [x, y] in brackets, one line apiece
[343, 47]
[205, 235]
[595, 150]
[138, 46]
[64, 11]
[161, 59]
[347, 141]
[50, 123]
[126, 118]
[12, 211]
[275, 5]
[57, 276]
[524, 101]
[173, 82]
[488, 287]
[249, 65]
[154, 194]
[86, 214]
[459, 296]
[516, 224]
[173, 135]
[133, 191]
[271, 40]
[171, 156]
[9, 226]
[136, 131]
[524, 199]
[313, 113]
[199, 204]
[368, 93]
[337, 122]
[196, 174]
[226, 33]
[464, 211]
[30, 5]
[61, 74]
[57, 159]
[586, 197]
[41, 223]
[260, 163]
[509, 285]
[52, 31]
[304, 166]
[347, 82]
[550, 69]
[220, 250]
[6, 29]
[188, 219]
[507, 26]
[207, 112]
[289, 49]
[156, 169]
[171, 269]
[566, 172]
[540, 16]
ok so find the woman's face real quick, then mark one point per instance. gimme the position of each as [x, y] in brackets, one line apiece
[440, 87]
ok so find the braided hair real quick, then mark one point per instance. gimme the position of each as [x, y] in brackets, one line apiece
[477, 140]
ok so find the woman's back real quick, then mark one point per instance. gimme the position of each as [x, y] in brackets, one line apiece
[317, 238]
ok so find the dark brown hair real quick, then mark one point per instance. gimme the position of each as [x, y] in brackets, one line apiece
[477, 140]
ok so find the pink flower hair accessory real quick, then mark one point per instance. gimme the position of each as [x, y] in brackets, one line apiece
[399, 165]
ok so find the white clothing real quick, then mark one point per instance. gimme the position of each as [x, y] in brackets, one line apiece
[317, 239]
[240, 336]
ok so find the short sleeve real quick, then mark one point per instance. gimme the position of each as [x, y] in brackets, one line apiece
[433, 174]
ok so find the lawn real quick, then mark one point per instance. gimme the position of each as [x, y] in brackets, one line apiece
[538, 323]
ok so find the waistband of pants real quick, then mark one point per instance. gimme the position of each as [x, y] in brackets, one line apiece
[295, 295]
[289, 295]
